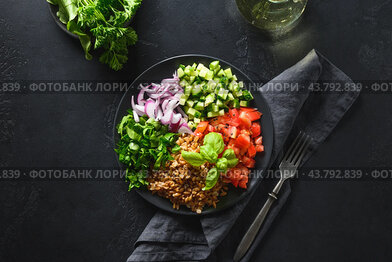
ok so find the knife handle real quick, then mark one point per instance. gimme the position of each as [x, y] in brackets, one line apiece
[251, 234]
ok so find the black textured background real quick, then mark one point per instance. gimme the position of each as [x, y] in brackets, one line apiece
[99, 221]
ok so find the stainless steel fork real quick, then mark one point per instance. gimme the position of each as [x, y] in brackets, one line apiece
[288, 168]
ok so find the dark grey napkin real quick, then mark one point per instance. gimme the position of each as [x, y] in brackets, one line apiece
[169, 237]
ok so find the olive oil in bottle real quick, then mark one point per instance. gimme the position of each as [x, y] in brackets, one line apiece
[272, 15]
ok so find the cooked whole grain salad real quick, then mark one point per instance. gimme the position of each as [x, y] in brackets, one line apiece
[183, 183]
[191, 137]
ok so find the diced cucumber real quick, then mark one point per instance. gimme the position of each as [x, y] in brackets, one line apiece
[210, 91]
[196, 90]
[199, 106]
[204, 71]
[211, 86]
[219, 103]
[212, 114]
[197, 114]
[214, 108]
[233, 85]
[187, 70]
[209, 75]
[216, 70]
[188, 90]
[191, 124]
[224, 81]
[223, 94]
[192, 79]
[180, 72]
[236, 103]
[214, 65]
[183, 83]
[237, 93]
[209, 99]
[244, 103]
[200, 66]
[190, 103]
[191, 111]
[183, 99]
[246, 95]
[218, 88]
[221, 73]
[228, 73]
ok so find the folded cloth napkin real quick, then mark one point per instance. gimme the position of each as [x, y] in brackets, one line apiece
[170, 237]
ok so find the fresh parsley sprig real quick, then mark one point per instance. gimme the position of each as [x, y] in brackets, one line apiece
[101, 24]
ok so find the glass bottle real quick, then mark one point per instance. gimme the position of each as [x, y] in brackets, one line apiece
[272, 15]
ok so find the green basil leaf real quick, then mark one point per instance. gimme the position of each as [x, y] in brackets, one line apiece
[232, 162]
[222, 164]
[193, 158]
[229, 154]
[215, 140]
[211, 178]
[209, 153]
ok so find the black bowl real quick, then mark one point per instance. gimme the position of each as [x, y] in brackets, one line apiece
[165, 69]
[53, 11]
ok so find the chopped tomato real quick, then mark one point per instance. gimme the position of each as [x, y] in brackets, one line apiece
[233, 113]
[210, 129]
[256, 129]
[243, 182]
[253, 116]
[235, 175]
[251, 151]
[259, 148]
[245, 131]
[248, 109]
[233, 131]
[201, 127]
[245, 120]
[248, 162]
[241, 133]
[242, 141]
[235, 149]
[259, 140]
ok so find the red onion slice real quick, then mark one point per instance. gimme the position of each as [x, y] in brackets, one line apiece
[140, 98]
[184, 129]
[135, 116]
[167, 117]
[159, 114]
[149, 109]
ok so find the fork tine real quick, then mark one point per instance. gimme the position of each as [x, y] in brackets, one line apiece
[288, 154]
[300, 155]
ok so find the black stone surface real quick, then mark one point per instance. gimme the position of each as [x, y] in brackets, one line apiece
[99, 221]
